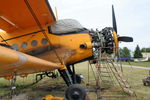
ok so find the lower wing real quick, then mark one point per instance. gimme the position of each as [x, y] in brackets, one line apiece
[16, 63]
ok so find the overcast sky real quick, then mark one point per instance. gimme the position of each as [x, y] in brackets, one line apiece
[133, 16]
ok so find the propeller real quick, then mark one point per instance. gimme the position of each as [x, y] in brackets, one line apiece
[114, 20]
[120, 38]
[116, 37]
[125, 39]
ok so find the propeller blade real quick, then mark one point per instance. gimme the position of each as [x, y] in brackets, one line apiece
[125, 39]
[114, 19]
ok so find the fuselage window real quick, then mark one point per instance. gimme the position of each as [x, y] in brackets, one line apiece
[44, 41]
[15, 46]
[34, 43]
[24, 45]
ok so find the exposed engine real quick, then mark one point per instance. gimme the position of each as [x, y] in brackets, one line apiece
[102, 41]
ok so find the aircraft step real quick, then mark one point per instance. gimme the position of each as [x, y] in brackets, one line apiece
[107, 81]
[104, 72]
[125, 85]
[106, 67]
[129, 91]
[123, 80]
[105, 76]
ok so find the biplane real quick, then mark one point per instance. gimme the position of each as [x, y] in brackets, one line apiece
[34, 41]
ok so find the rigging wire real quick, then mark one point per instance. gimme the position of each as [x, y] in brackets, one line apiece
[4, 40]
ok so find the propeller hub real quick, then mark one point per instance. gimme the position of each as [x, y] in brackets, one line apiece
[115, 41]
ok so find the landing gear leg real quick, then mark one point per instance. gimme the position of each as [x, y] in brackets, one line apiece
[72, 73]
[74, 91]
[75, 77]
[66, 76]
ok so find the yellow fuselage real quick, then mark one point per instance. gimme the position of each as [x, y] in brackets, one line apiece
[67, 46]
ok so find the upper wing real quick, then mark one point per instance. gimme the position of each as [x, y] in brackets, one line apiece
[16, 63]
[23, 14]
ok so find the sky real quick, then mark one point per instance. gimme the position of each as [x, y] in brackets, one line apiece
[133, 17]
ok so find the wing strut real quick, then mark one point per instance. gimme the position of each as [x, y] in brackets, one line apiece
[41, 28]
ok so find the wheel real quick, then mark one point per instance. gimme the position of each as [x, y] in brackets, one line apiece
[75, 92]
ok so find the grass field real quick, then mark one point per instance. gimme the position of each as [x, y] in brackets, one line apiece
[57, 87]
[143, 64]
[135, 77]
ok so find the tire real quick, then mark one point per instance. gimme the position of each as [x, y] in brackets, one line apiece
[75, 92]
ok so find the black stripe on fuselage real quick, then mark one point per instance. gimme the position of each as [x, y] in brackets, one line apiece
[22, 35]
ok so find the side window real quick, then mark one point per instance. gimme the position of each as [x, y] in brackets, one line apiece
[15, 46]
[34, 43]
[24, 45]
[44, 41]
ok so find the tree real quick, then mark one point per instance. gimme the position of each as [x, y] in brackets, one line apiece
[119, 53]
[145, 50]
[137, 52]
[126, 52]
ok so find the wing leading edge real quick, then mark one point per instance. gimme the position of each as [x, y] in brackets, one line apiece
[16, 14]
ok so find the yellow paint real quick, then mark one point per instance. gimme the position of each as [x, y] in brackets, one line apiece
[89, 45]
[63, 67]
[15, 63]
[15, 14]
[71, 42]
[50, 97]
[16, 23]
[116, 41]
[68, 49]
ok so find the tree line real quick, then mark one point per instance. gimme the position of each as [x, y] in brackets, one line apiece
[125, 52]
[145, 50]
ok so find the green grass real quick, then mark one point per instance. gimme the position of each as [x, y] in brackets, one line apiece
[143, 64]
[57, 87]
[135, 77]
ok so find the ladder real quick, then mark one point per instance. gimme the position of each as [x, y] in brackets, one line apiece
[123, 83]
[106, 75]
[109, 75]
